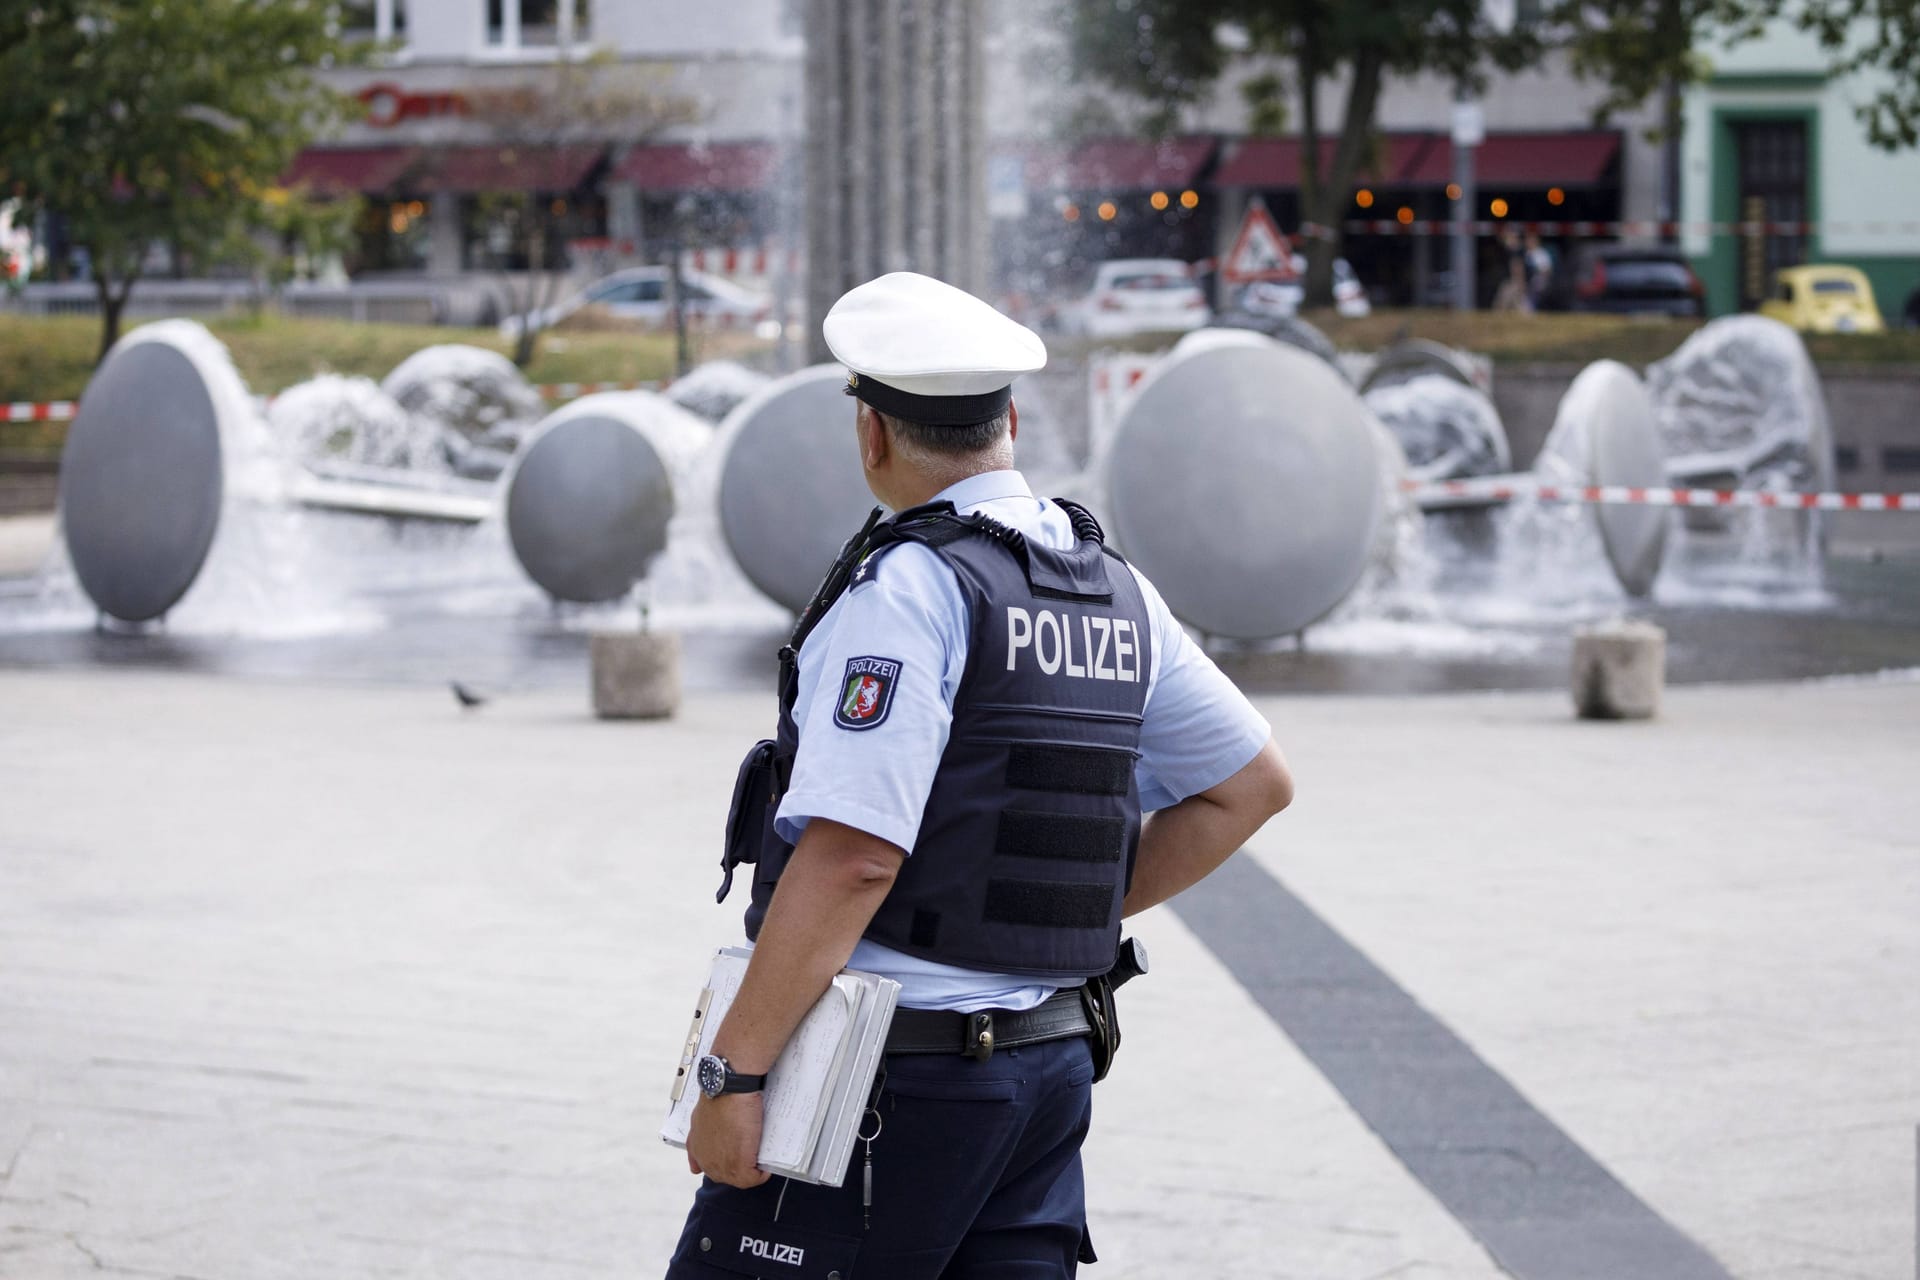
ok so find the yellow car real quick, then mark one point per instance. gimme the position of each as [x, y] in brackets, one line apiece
[1824, 300]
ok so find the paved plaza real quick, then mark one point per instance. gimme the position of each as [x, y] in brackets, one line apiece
[313, 981]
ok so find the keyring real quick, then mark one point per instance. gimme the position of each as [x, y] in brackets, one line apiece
[877, 1125]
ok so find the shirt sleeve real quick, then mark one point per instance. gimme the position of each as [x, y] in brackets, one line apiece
[876, 704]
[1200, 729]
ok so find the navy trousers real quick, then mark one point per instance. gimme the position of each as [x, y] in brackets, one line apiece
[976, 1173]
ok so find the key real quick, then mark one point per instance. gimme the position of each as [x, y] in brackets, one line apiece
[866, 1174]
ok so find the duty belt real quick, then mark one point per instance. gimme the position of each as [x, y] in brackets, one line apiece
[1062, 1016]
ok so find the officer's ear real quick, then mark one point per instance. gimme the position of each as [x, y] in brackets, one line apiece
[873, 438]
[1013, 422]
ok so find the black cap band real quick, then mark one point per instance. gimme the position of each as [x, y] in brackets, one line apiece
[932, 411]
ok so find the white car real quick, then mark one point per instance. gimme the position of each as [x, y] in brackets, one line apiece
[1142, 295]
[640, 294]
[1284, 297]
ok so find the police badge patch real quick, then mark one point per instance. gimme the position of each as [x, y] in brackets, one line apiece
[866, 693]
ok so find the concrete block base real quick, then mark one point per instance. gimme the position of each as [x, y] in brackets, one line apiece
[636, 674]
[1618, 670]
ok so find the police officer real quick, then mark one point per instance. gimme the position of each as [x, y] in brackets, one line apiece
[983, 703]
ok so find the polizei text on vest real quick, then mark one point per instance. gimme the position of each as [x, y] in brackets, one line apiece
[1082, 645]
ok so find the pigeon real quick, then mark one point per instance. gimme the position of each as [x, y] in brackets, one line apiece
[467, 698]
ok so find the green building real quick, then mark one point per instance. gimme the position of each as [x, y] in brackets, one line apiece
[1772, 138]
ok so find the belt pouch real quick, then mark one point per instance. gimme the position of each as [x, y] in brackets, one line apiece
[750, 814]
[1096, 997]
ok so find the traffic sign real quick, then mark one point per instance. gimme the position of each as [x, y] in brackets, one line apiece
[1260, 252]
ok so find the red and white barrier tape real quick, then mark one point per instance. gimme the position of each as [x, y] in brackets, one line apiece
[28, 411]
[1611, 495]
[64, 410]
[1594, 230]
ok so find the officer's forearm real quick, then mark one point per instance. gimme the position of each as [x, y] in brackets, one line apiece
[1180, 846]
[828, 893]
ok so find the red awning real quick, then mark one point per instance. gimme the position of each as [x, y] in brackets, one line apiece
[731, 167]
[1569, 158]
[1401, 160]
[1565, 159]
[333, 170]
[1120, 164]
[469, 170]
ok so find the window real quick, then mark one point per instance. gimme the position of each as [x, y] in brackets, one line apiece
[372, 19]
[631, 291]
[536, 24]
[1833, 286]
[1770, 158]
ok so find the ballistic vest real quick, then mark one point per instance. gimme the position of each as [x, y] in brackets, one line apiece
[1027, 841]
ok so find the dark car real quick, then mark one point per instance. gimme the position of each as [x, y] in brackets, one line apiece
[1625, 279]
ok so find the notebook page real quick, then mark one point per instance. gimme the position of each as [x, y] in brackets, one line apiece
[797, 1086]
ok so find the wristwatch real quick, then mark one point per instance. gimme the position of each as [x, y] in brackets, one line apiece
[716, 1077]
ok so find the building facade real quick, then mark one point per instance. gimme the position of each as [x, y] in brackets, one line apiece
[686, 124]
[1772, 141]
[635, 126]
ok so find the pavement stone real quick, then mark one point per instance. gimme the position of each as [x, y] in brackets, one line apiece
[1691, 943]
[24, 543]
[312, 981]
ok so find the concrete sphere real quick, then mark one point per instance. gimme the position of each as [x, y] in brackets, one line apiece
[1604, 434]
[1740, 404]
[1448, 429]
[791, 487]
[591, 495]
[141, 477]
[1244, 480]
[1291, 330]
[1412, 358]
[471, 390]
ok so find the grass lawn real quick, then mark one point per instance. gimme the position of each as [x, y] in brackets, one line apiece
[51, 357]
[1579, 337]
[1556, 337]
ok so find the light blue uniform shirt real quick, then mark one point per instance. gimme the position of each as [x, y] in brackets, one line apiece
[1199, 729]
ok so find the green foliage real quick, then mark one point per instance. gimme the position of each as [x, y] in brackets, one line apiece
[1636, 47]
[1881, 38]
[159, 120]
[1266, 98]
[1170, 53]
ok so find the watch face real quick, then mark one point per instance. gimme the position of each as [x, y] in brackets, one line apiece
[713, 1075]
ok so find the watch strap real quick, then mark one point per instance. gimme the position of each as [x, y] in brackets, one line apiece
[739, 1082]
[731, 1081]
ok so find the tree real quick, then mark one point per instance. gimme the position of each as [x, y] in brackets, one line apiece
[1638, 47]
[139, 121]
[1171, 52]
[580, 102]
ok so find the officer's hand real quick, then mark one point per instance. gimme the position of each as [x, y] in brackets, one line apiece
[724, 1139]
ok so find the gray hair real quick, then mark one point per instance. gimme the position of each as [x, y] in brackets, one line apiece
[954, 451]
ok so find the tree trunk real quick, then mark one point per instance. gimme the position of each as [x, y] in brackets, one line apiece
[1674, 40]
[1311, 187]
[1323, 202]
[527, 344]
[111, 306]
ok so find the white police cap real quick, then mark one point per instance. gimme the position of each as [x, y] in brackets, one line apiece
[920, 349]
